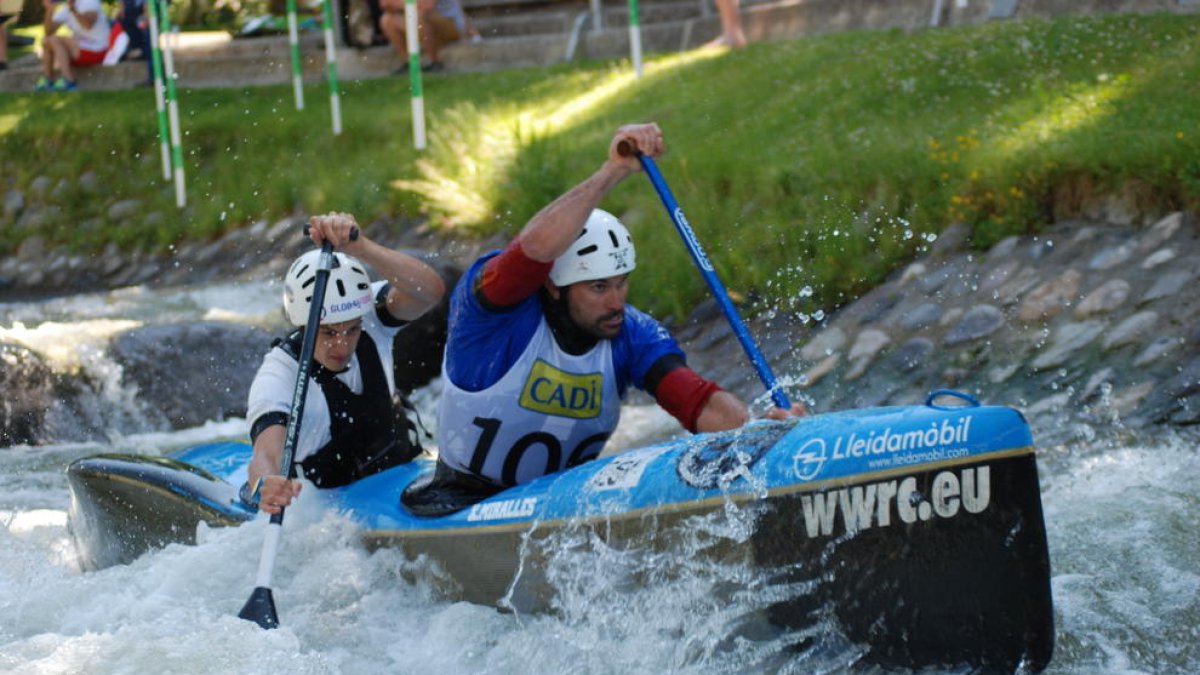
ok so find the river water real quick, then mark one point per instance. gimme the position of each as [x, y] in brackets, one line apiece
[1121, 515]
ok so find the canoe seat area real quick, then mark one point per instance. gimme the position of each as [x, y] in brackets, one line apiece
[444, 491]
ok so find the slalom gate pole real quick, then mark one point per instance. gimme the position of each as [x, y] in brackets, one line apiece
[294, 44]
[173, 110]
[155, 56]
[414, 73]
[335, 101]
[635, 37]
[710, 277]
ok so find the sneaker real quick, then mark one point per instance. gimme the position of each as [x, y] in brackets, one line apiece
[433, 67]
[42, 84]
[63, 84]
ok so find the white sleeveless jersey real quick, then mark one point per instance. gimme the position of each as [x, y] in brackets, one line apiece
[551, 410]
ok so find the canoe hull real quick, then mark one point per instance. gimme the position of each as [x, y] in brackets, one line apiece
[918, 530]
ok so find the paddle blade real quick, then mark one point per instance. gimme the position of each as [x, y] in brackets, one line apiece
[260, 609]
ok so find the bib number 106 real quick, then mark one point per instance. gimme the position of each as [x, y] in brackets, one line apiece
[587, 449]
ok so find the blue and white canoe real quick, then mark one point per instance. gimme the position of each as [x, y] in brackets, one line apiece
[922, 525]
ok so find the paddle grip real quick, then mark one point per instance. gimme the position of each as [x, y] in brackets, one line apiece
[353, 231]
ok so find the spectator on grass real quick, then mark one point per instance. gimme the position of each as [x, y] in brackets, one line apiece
[135, 21]
[439, 22]
[92, 38]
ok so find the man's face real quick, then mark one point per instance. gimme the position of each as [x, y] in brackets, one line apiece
[598, 307]
[336, 343]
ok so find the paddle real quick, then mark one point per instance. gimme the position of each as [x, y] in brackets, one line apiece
[710, 276]
[260, 607]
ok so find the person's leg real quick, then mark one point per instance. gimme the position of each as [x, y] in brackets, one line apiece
[69, 51]
[731, 25]
[3, 43]
[436, 32]
[392, 25]
[50, 51]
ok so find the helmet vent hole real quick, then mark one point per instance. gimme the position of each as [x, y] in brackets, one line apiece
[308, 282]
[341, 288]
[587, 249]
[613, 237]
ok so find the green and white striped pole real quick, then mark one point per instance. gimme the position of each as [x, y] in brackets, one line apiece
[335, 101]
[635, 37]
[414, 73]
[294, 43]
[164, 133]
[177, 142]
[172, 110]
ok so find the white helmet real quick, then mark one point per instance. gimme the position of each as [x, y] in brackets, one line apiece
[347, 295]
[604, 249]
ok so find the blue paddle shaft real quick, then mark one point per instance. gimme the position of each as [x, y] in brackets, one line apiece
[714, 282]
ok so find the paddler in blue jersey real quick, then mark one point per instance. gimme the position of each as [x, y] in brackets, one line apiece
[542, 347]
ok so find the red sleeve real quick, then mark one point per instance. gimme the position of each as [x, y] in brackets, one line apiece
[683, 393]
[509, 278]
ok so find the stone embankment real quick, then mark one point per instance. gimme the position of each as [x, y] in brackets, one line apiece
[1087, 326]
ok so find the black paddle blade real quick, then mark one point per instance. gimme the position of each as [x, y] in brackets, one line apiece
[260, 609]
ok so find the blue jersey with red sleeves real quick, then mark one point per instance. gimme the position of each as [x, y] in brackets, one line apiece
[483, 344]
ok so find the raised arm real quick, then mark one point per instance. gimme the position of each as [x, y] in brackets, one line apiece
[415, 286]
[551, 231]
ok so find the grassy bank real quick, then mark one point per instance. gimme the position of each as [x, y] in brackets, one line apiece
[821, 163]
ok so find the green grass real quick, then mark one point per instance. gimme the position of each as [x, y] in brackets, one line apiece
[822, 163]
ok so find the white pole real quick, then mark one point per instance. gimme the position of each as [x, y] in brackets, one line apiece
[294, 44]
[335, 99]
[173, 116]
[414, 73]
[160, 102]
[597, 16]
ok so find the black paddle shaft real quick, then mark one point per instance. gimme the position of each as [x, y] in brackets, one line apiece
[260, 607]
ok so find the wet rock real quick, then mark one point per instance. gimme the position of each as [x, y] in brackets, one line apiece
[1158, 258]
[1004, 249]
[1111, 295]
[124, 210]
[1111, 257]
[1168, 285]
[995, 278]
[818, 372]
[89, 182]
[25, 374]
[826, 343]
[40, 185]
[14, 203]
[951, 240]
[1175, 400]
[192, 372]
[1068, 339]
[977, 322]
[1050, 298]
[1157, 350]
[866, 346]
[1136, 328]
[1012, 291]
[910, 355]
[1161, 232]
[922, 316]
